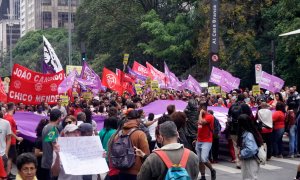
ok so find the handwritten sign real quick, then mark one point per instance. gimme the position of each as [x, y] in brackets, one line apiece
[87, 95]
[82, 155]
[154, 85]
[138, 89]
[64, 99]
[255, 90]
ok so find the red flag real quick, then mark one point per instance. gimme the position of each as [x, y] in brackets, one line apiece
[140, 69]
[111, 81]
[155, 74]
[3, 95]
[126, 81]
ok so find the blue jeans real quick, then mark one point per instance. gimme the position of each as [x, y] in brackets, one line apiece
[293, 140]
[277, 141]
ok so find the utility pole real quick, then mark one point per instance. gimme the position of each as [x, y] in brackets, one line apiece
[273, 56]
[70, 33]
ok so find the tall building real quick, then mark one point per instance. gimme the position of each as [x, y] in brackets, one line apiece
[45, 14]
[9, 24]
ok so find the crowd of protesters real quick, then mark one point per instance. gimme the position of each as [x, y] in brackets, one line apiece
[195, 129]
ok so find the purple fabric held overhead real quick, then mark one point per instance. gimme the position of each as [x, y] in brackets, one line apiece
[28, 121]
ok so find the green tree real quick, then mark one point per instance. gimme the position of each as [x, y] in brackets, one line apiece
[29, 49]
[284, 16]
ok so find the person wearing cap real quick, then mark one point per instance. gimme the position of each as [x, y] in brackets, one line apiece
[61, 108]
[154, 167]
[55, 116]
[264, 117]
[71, 130]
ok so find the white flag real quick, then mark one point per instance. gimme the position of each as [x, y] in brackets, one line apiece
[50, 57]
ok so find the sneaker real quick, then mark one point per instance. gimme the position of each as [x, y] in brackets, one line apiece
[290, 156]
[238, 167]
[213, 174]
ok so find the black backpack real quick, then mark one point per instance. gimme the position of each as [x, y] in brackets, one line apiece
[122, 153]
[235, 112]
[217, 126]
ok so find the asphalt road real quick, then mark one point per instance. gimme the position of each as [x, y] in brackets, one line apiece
[275, 169]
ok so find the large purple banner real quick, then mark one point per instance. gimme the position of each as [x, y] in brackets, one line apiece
[28, 121]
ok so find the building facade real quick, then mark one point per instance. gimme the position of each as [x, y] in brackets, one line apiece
[45, 14]
[9, 24]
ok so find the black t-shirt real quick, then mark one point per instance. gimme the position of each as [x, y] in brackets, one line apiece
[38, 144]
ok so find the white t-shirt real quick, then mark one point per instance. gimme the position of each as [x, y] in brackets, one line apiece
[4, 131]
[152, 131]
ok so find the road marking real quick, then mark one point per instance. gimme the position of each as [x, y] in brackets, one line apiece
[226, 169]
[286, 161]
[269, 167]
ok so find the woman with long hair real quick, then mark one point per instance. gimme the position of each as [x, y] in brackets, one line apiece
[249, 140]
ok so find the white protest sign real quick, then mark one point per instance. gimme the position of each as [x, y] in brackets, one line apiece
[82, 155]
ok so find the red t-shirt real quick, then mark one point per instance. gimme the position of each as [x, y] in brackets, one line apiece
[13, 126]
[205, 132]
[278, 120]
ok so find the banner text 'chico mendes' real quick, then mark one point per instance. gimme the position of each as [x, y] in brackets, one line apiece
[30, 87]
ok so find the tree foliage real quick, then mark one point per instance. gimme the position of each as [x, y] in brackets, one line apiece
[177, 31]
[29, 50]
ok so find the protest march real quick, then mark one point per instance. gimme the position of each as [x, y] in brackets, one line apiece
[139, 122]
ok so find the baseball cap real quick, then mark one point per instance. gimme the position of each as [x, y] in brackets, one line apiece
[85, 127]
[70, 128]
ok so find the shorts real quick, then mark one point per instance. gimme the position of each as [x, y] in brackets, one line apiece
[203, 149]
[12, 153]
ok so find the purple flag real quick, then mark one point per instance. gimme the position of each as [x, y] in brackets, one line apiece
[67, 83]
[90, 78]
[270, 82]
[216, 76]
[136, 75]
[191, 84]
[224, 79]
[230, 82]
[171, 81]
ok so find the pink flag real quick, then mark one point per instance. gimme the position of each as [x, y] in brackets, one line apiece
[155, 74]
[140, 69]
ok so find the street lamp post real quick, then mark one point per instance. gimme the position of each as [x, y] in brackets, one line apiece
[69, 33]
[10, 46]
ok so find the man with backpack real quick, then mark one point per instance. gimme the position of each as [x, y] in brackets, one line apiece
[172, 161]
[232, 125]
[121, 149]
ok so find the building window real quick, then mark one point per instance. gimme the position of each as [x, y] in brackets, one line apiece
[63, 19]
[65, 2]
[46, 2]
[47, 20]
